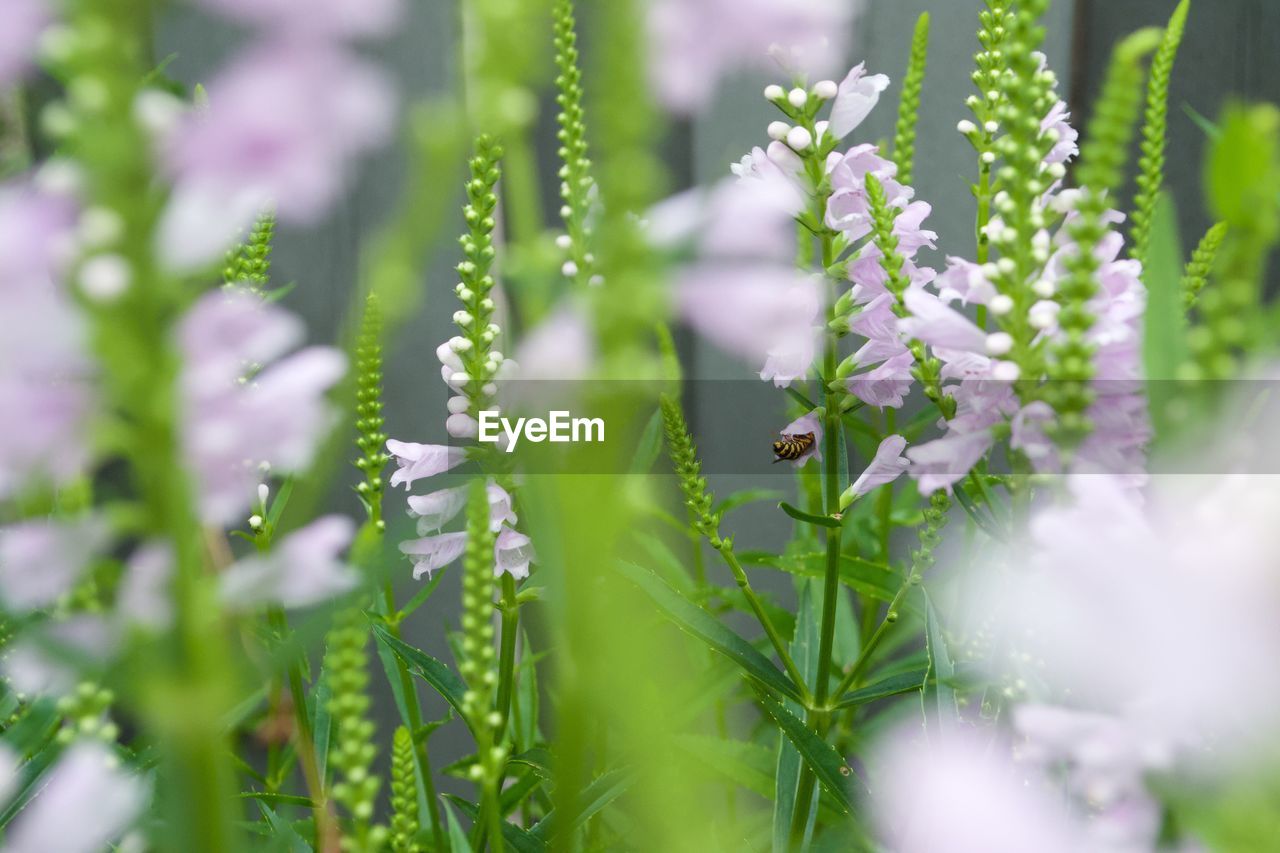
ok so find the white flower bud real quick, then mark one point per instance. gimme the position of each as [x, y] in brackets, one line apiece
[1006, 266]
[459, 378]
[1056, 171]
[999, 343]
[263, 493]
[462, 426]
[486, 304]
[157, 112]
[826, 89]
[596, 280]
[773, 92]
[991, 127]
[821, 128]
[459, 344]
[1008, 235]
[1001, 304]
[778, 129]
[799, 139]
[565, 211]
[967, 127]
[1005, 371]
[255, 522]
[458, 405]
[569, 269]
[60, 176]
[988, 157]
[105, 278]
[489, 389]
[797, 97]
[1044, 288]
[1044, 315]
[463, 318]
[564, 241]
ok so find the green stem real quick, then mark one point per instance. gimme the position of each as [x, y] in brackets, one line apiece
[864, 656]
[757, 607]
[510, 608]
[414, 711]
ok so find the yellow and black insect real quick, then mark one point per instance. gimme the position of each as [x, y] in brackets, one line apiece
[792, 447]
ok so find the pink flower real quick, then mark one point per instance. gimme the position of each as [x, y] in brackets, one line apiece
[941, 463]
[144, 598]
[695, 43]
[437, 509]
[1059, 121]
[963, 793]
[315, 18]
[284, 126]
[241, 404]
[857, 96]
[434, 552]
[301, 570]
[886, 386]
[45, 371]
[84, 803]
[21, 22]
[768, 314]
[934, 323]
[966, 282]
[849, 209]
[887, 466]
[560, 347]
[810, 423]
[512, 553]
[419, 461]
[41, 561]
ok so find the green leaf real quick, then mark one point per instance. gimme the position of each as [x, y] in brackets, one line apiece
[942, 673]
[275, 797]
[440, 677]
[801, 515]
[595, 797]
[538, 759]
[650, 445]
[282, 832]
[458, 842]
[822, 758]
[1243, 177]
[744, 497]
[808, 404]
[1207, 127]
[804, 651]
[707, 628]
[894, 685]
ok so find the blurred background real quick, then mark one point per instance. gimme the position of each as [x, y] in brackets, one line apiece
[1229, 51]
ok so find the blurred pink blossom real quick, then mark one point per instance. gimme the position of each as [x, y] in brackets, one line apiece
[284, 126]
[21, 22]
[302, 569]
[45, 370]
[242, 404]
[82, 805]
[42, 560]
[696, 43]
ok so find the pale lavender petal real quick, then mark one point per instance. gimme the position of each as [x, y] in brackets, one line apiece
[500, 511]
[887, 385]
[560, 347]
[21, 22]
[87, 801]
[42, 560]
[434, 552]
[419, 461]
[887, 466]
[302, 570]
[804, 425]
[512, 553]
[933, 322]
[437, 509]
[857, 96]
[145, 597]
[941, 463]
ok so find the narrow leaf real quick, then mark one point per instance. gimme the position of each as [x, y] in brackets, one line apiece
[440, 677]
[807, 518]
[894, 685]
[821, 756]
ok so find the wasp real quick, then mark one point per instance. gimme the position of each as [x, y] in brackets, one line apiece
[792, 447]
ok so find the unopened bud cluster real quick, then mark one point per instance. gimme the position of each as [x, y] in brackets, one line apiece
[370, 438]
[249, 264]
[801, 132]
[576, 184]
[84, 714]
[684, 458]
[351, 752]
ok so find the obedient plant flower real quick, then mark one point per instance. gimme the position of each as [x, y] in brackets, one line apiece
[283, 128]
[301, 570]
[42, 560]
[512, 550]
[145, 598]
[21, 23]
[84, 804]
[856, 96]
[695, 43]
[45, 372]
[960, 791]
[243, 405]
[804, 425]
[886, 466]
[419, 461]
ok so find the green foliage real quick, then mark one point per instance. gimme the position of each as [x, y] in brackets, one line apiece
[249, 264]
[1200, 266]
[684, 458]
[992, 63]
[475, 320]
[904, 139]
[1100, 174]
[575, 174]
[369, 420]
[352, 750]
[1244, 194]
[404, 794]
[1154, 132]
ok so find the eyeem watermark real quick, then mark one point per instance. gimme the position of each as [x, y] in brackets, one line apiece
[559, 427]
